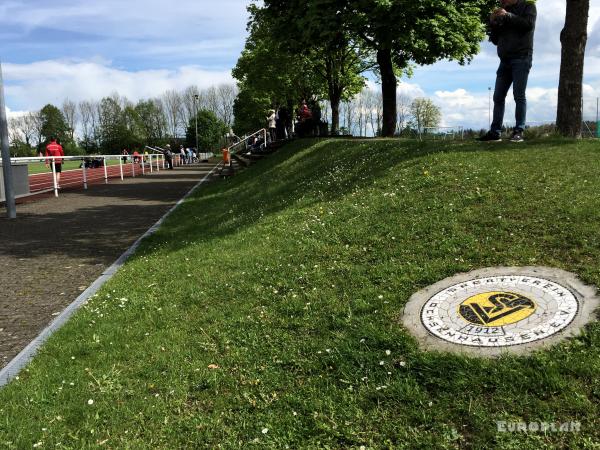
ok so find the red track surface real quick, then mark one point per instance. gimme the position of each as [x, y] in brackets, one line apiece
[43, 182]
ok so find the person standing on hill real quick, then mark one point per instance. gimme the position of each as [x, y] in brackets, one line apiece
[511, 29]
[272, 124]
[55, 152]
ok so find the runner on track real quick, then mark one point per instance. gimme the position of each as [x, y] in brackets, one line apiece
[56, 150]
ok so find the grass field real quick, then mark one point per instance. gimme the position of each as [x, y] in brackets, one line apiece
[265, 312]
[40, 167]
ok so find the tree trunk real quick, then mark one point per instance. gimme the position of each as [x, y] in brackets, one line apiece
[335, 115]
[388, 91]
[573, 39]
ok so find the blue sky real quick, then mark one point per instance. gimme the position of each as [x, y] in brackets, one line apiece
[55, 49]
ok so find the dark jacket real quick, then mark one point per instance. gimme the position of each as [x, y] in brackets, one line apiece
[513, 33]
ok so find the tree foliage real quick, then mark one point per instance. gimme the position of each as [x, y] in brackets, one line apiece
[270, 76]
[321, 34]
[393, 34]
[211, 131]
[425, 113]
[52, 123]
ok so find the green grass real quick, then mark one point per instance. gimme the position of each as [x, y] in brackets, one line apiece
[40, 167]
[291, 278]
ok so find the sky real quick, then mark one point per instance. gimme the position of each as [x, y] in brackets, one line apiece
[57, 49]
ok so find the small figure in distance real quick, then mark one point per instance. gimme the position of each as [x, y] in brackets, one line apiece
[511, 29]
[168, 156]
[54, 149]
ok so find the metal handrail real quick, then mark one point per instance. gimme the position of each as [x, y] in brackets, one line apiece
[245, 140]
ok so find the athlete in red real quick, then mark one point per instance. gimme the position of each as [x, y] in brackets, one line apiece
[56, 150]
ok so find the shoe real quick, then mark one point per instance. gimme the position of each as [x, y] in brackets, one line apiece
[490, 136]
[517, 136]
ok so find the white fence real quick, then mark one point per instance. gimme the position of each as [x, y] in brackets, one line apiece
[92, 168]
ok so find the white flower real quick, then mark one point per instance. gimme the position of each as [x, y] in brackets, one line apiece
[265, 430]
[402, 364]
[388, 352]
[380, 297]
[90, 402]
[381, 363]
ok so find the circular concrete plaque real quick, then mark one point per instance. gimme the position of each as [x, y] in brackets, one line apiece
[491, 311]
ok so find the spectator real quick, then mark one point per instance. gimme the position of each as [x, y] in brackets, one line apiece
[304, 113]
[125, 154]
[182, 154]
[54, 151]
[272, 124]
[282, 123]
[511, 29]
[136, 157]
[168, 156]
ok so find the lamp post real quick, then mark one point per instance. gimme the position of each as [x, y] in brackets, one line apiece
[489, 107]
[196, 96]
[9, 192]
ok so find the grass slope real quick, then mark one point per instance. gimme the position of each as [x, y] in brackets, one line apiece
[266, 310]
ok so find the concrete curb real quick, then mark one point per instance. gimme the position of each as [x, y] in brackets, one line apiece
[13, 368]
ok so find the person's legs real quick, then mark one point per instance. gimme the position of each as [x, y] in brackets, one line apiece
[520, 73]
[504, 78]
[58, 169]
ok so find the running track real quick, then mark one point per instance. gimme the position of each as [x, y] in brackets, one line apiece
[43, 182]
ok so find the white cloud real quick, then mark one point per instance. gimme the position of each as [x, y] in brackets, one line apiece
[34, 85]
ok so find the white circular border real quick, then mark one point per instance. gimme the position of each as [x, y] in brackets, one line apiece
[583, 295]
[556, 307]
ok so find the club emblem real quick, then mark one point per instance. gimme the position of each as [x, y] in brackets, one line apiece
[494, 309]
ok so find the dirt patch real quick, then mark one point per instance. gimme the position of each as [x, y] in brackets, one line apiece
[58, 246]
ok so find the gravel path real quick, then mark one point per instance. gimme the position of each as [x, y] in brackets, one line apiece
[58, 246]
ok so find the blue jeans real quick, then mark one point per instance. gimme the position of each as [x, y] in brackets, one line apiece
[513, 72]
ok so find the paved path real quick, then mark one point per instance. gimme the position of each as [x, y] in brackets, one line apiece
[58, 246]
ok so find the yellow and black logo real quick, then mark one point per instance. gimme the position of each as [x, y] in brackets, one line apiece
[495, 309]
